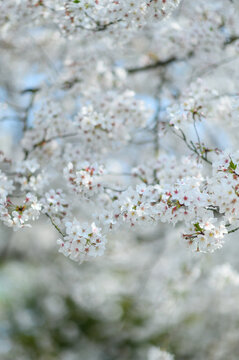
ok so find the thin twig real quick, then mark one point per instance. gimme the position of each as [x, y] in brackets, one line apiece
[191, 145]
[233, 230]
[55, 226]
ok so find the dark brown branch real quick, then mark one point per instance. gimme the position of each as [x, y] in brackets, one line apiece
[159, 63]
[233, 230]
[33, 93]
[99, 26]
[46, 141]
[231, 40]
[162, 63]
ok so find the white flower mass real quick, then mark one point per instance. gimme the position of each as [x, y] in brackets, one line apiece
[119, 123]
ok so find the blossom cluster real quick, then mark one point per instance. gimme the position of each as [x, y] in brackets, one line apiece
[111, 118]
[30, 176]
[73, 15]
[101, 14]
[169, 192]
[108, 120]
[49, 124]
[82, 241]
[193, 106]
[55, 205]
[18, 216]
[84, 178]
[207, 205]
[167, 169]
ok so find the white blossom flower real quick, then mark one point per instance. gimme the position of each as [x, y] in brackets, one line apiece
[82, 241]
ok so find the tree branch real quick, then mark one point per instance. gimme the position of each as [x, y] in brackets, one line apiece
[159, 63]
[173, 59]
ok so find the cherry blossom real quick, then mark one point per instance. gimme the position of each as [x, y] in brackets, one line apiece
[82, 241]
[121, 127]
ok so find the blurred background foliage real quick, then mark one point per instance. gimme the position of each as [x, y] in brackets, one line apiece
[146, 292]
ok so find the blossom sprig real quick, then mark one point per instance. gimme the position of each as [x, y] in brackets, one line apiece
[55, 205]
[84, 178]
[19, 216]
[30, 176]
[82, 241]
[193, 105]
[205, 237]
[199, 148]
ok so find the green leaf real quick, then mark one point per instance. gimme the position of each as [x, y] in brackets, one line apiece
[198, 227]
[232, 166]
